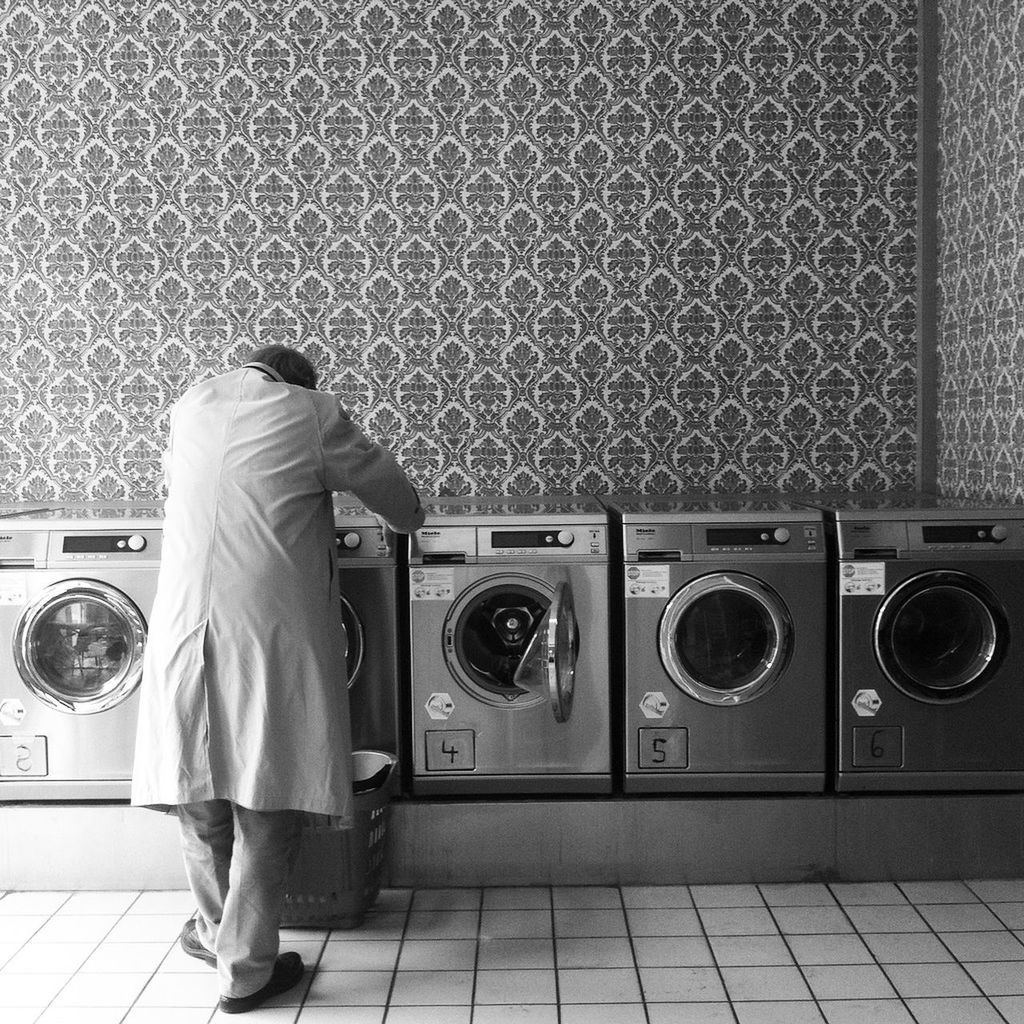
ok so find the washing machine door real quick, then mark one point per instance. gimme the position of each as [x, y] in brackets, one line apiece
[355, 641]
[725, 638]
[78, 646]
[492, 646]
[940, 636]
[548, 666]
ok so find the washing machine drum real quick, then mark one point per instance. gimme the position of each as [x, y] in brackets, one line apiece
[512, 642]
[78, 646]
[725, 638]
[940, 636]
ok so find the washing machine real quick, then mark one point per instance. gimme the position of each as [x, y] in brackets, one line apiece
[930, 643]
[509, 667]
[724, 654]
[76, 586]
[368, 577]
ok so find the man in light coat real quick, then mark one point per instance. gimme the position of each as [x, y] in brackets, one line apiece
[244, 718]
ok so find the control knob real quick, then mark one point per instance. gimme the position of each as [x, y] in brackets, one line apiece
[351, 540]
[999, 532]
[136, 542]
[781, 535]
[565, 537]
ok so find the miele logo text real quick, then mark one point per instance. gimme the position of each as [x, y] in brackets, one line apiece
[6, 536]
[430, 533]
[645, 531]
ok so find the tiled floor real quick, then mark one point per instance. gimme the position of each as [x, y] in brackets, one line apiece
[878, 953]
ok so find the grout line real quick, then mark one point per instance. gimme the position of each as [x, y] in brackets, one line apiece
[554, 955]
[711, 949]
[789, 949]
[476, 951]
[632, 953]
[398, 955]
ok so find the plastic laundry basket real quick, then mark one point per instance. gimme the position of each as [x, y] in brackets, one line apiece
[337, 872]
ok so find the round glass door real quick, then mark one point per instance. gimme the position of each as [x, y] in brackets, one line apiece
[487, 632]
[355, 641]
[940, 636]
[725, 638]
[78, 646]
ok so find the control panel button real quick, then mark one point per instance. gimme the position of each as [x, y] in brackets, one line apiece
[351, 540]
[999, 532]
[565, 537]
[781, 535]
[136, 542]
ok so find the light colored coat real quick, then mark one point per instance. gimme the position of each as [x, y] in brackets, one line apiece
[243, 693]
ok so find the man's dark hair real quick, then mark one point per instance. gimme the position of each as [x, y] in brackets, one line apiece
[293, 366]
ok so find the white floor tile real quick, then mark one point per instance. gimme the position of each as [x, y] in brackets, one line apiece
[76, 928]
[930, 980]
[165, 901]
[672, 951]
[665, 896]
[446, 899]
[519, 954]
[120, 990]
[189, 990]
[512, 954]
[800, 894]
[438, 955]
[658, 921]
[778, 1013]
[812, 920]
[908, 948]
[23, 990]
[998, 890]
[595, 952]
[748, 984]
[340, 1015]
[690, 1013]
[610, 1013]
[585, 897]
[750, 950]
[726, 896]
[82, 1015]
[517, 898]
[516, 1014]
[938, 892]
[886, 919]
[360, 955]
[975, 1010]
[349, 988]
[443, 924]
[972, 947]
[867, 894]
[738, 921]
[49, 958]
[682, 985]
[861, 981]
[998, 979]
[432, 988]
[146, 928]
[515, 987]
[98, 903]
[829, 949]
[589, 923]
[31, 903]
[960, 917]
[428, 1014]
[167, 1015]
[599, 985]
[866, 1011]
[516, 924]
[129, 958]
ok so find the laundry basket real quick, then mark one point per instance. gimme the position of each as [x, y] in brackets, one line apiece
[337, 872]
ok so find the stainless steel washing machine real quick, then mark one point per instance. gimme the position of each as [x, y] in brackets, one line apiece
[509, 646]
[368, 577]
[76, 586]
[930, 621]
[724, 643]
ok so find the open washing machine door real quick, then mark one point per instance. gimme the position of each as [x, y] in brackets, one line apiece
[548, 665]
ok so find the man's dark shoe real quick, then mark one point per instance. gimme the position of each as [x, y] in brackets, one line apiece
[287, 974]
[190, 943]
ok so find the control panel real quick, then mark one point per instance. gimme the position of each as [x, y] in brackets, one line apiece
[73, 547]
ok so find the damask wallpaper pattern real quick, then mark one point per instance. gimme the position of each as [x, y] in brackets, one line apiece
[534, 244]
[981, 257]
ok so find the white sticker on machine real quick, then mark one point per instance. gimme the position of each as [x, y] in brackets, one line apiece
[431, 584]
[647, 581]
[13, 590]
[861, 579]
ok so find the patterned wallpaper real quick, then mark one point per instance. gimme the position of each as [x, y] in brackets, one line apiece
[534, 244]
[981, 253]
